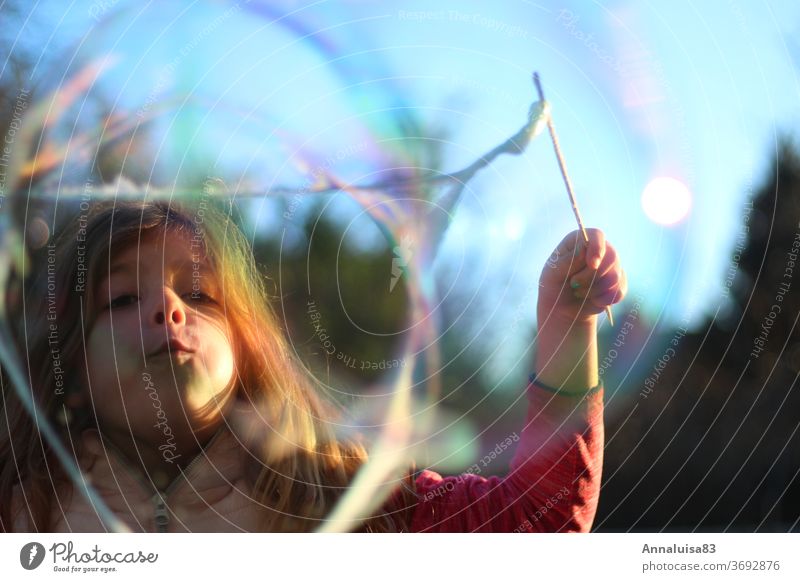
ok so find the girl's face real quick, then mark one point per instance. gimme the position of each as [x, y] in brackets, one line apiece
[158, 292]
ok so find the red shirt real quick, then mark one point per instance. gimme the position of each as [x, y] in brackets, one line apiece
[554, 480]
[552, 486]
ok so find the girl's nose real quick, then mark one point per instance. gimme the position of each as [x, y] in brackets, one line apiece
[172, 309]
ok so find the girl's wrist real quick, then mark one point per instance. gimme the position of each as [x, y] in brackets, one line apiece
[552, 316]
[566, 351]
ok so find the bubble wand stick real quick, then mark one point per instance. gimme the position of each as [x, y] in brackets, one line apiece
[563, 166]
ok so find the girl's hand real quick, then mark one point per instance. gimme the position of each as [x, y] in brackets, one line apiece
[579, 280]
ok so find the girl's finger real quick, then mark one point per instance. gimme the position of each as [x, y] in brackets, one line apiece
[596, 247]
[623, 283]
[567, 258]
[611, 294]
[572, 246]
[597, 287]
[607, 298]
[588, 277]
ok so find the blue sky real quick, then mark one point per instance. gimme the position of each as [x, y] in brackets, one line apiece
[715, 82]
[694, 91]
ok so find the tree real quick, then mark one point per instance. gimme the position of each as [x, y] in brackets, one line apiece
[714, 443]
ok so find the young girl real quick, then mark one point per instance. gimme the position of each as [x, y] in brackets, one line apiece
[152, 345]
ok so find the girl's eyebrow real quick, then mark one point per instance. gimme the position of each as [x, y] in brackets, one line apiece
[126, 266]
[118, 266]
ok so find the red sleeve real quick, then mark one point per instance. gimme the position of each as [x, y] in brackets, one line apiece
[554, 480]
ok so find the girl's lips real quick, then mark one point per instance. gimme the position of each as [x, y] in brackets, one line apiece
[173, 346]
[173, 353]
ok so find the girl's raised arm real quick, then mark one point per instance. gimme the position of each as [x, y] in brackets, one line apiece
[554, 479]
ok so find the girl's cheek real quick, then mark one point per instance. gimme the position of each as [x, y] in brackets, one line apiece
[107, 345]
[99, 339]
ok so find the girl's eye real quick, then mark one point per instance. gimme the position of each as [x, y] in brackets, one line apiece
[122, 301]
[125, 300]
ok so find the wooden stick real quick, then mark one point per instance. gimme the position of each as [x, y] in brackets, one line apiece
[563, 166]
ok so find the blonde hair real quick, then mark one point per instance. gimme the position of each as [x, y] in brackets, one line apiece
[298, 486]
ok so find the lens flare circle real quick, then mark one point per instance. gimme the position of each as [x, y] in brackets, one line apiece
[666, 201]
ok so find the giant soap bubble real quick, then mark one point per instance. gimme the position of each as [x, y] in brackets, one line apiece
[161, 101]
